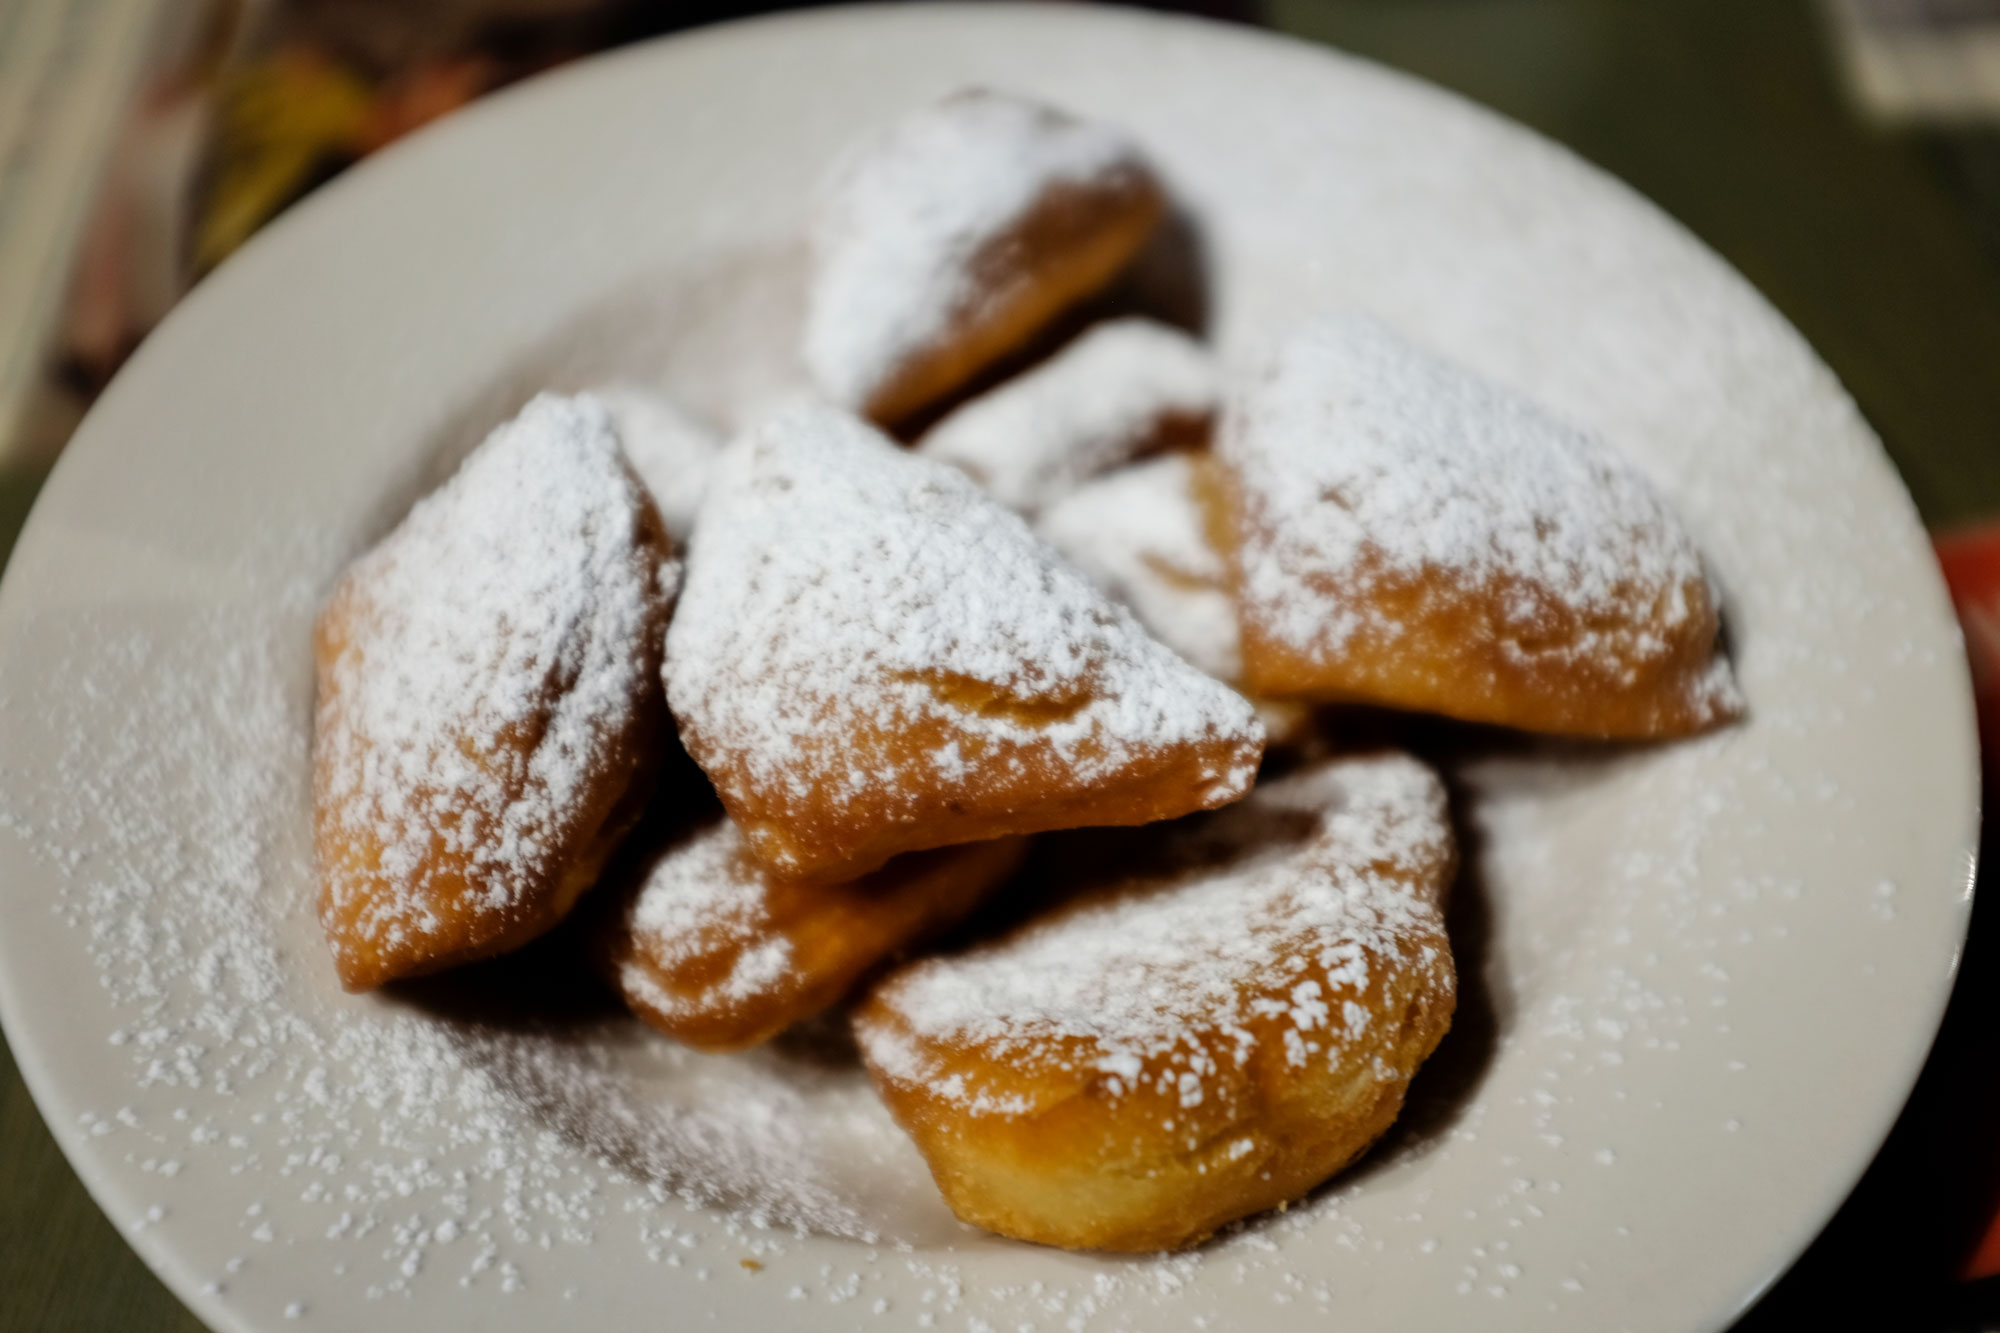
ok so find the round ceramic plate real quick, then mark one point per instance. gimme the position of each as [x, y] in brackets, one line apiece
[1699, 978]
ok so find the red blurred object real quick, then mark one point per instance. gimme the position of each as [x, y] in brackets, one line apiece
[1970, 558]
[420, 95]
[1985, 1261]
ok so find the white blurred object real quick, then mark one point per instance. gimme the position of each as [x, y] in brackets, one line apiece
[1921, 61]
[1139, 533]
[670, 450]
[1119, 390]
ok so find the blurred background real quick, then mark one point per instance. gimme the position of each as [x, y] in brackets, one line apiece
[1843, 154]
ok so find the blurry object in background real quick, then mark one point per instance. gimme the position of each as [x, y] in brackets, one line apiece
[284, 123]
[193, 123]
[1911, 61]
[132, 259]
[338, 79]
[1970, 559]
[67, 70]
[1985, 1260]
[382, 37]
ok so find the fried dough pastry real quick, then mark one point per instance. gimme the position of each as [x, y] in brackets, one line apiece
[1141, 533]
[670, 450]
[1123, 389]
[1211, 1027]
[713, 950]
[871, 657]
[1145, 535]
[953, 238]
[489, 704]
[1412, 536]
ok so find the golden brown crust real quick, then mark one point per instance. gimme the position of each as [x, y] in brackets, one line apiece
[1432, 646]
[1055, 1133]
[1380, 554]
[1433, 643]
[1070, 244]
[871, 657]
[1027, 787]
[399, 901]
[464, 925]
[1138, 1171]
[697, 961]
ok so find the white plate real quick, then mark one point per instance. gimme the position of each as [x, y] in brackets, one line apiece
[1709, 972]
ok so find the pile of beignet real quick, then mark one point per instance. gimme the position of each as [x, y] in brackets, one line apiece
[1006, 617]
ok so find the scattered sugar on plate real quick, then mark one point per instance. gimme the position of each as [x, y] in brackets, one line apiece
[181, 842]
[194, 898]
[448, 1150]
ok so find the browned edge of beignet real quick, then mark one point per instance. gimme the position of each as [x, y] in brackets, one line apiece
[1073, 242]
[1047, 1116]
[580, 844]
[698, 966]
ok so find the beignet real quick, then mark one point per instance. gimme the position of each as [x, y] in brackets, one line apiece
[670, 450]
[871, 657]
[713, 950]
[1140, 532]
[489, 704]
[955, 236]
[1123, 389]
[1211, 1026]
[1411, 536]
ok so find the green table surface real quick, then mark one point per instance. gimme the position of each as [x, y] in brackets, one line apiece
[1884, 249]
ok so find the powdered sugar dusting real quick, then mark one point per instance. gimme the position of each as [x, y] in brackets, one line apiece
[833, 578]
[903, 218]
[174, 823]
[703, 895]
[1140, 533]
[1184, 962]
[408, 1142]
[515, 603]
[1362, 458]
[669, 449]
[1101, 401]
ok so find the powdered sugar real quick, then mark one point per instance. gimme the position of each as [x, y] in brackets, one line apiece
[1321, 183]
[1140, 533]
[670, 450]
[1183, 961]
[835, 581]
[404, 1140]
[904, 217]
[1362, 458]
[1119, 389]
[516, 603]
[702, 897]
[712, 949]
